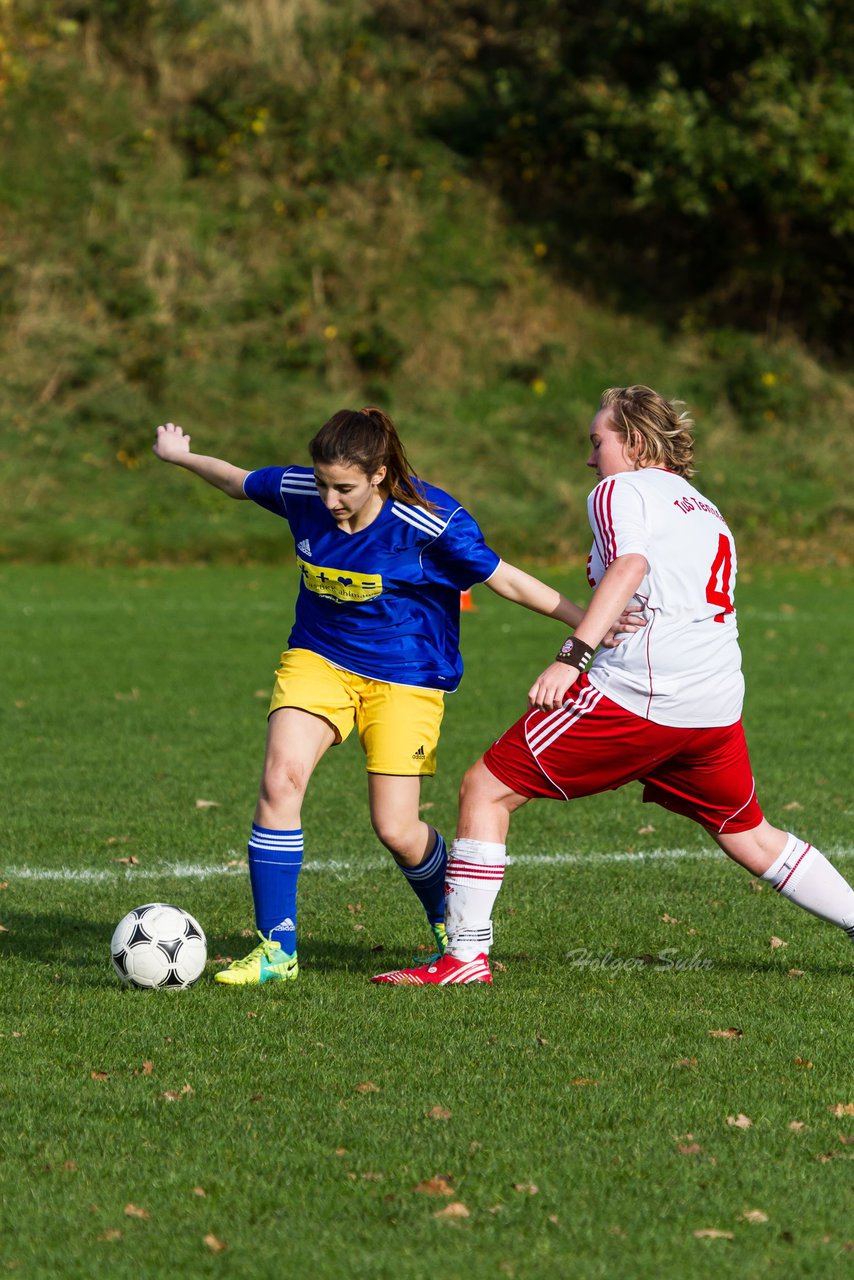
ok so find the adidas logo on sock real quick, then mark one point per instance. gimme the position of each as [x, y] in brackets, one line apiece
[304, 547]
[286, 926]
[419, 754]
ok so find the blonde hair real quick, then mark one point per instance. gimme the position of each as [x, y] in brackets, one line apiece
[654, 426]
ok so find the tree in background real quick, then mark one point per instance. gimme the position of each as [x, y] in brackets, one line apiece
[694, 154]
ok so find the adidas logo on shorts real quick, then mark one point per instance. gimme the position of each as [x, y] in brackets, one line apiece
[304, 547]
[419, 754]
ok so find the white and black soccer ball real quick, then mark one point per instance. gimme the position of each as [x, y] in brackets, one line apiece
[158, 945]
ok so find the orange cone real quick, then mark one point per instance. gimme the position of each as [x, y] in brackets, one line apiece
[467, 605]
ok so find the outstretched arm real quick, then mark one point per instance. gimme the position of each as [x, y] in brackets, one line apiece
[516, 585]
[173, 445]
[619, 583]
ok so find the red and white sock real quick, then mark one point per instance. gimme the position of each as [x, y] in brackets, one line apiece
[472, 880]
[804, 876]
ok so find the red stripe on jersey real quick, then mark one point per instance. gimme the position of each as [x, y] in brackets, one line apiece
[599, 523]
[604, 522]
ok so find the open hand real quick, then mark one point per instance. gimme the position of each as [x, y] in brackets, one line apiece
[172, 443]
[627, 622]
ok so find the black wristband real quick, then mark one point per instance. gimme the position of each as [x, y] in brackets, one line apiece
[575, 653]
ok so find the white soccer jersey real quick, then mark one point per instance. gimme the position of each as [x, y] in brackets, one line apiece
[684, 667]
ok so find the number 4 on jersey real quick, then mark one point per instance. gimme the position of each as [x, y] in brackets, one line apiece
[720, 579]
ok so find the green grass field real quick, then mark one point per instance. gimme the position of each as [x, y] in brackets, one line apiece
[580, 1119]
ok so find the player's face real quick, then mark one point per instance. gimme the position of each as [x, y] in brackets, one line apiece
[610, 453]
[350, 496]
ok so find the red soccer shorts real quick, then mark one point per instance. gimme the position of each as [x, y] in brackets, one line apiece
[590, 745]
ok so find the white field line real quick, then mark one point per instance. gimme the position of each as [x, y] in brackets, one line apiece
[334, 866]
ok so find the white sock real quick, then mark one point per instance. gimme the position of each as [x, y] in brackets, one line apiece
[804, 876]
[472, 880]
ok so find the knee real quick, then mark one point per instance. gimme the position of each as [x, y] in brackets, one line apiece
[283, 781]
[476, 786]
[394, 831]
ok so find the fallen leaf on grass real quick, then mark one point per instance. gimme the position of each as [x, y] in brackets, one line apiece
[145, 1070]
[214, 1244]
[795, 973]
[354, 908]
[4, 884]
[499, 967]
[740, 1121]
[208, 804]
[436, 1186]
[438, 1113]
[583, 1080]
[456, 1209]
[842, 1109]
[712, 1233]
[689, 1149]
[728, 1033]
[847, 1139]
[527, 1188]
[175, 1095]
[199, 1191]
[797, 1126]
[686, 1062]
[541, 1040]
[753, 1216]
[134, 1211]
[111, 1233]
[99, 1075]
[669, 919]
[777, 942]
[793, 804]
[805, 1063]
[645, 831]
[367, 1087]
[341, 1151]
[3, 929]
[132, 861]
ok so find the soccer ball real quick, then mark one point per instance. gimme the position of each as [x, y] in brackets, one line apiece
[159, 946]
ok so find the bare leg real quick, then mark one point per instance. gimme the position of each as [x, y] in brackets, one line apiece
[756, 850]
[485, 806]
[296, 740]
[394, 815]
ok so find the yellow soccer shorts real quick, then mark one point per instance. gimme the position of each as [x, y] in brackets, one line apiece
[398, 724]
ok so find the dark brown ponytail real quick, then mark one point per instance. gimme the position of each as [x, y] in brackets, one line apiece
[367, 439]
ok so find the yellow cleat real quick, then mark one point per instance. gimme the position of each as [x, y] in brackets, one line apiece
[265, 963]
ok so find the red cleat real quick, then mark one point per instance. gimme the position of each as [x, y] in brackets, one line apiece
[442, 972]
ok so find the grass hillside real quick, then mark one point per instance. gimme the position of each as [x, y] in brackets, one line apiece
[236, 217]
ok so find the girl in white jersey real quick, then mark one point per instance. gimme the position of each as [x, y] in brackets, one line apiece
[664, 708]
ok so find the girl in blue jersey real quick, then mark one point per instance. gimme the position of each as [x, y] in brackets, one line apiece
[383, 557]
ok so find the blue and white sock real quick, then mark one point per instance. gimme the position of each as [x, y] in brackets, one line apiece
[428, 881]
[275, 858]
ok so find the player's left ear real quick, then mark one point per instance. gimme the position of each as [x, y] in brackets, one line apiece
[637, 449]
[378, 477]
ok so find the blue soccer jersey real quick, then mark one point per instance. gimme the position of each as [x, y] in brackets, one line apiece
[383, 602]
